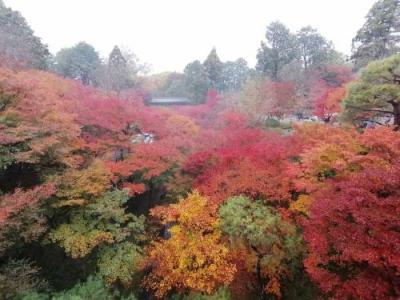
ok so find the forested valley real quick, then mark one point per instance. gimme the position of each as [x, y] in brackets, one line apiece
[223, 181]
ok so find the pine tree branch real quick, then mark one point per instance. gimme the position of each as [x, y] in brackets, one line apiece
[370, 110]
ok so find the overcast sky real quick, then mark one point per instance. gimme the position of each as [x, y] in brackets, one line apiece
[170, 33]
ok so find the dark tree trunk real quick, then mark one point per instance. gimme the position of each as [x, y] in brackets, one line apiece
[262, 294]
[396, 113]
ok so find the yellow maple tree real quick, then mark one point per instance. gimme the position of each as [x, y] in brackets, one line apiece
[194, 257]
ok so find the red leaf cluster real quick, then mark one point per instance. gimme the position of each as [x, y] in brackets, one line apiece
[12, 203]
[353, 235]
[251, 163]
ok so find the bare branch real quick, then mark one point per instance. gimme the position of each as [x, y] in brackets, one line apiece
[372, 121]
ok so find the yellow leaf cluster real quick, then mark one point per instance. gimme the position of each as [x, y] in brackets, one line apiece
[194, 258]
[76, 187]
[302, 205]
[192, 213]
[79, 245]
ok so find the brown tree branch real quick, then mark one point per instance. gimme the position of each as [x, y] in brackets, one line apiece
[370, 110]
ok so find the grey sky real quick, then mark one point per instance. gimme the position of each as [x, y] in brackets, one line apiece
[170, 33]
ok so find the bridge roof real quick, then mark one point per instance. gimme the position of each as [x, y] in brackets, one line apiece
[169, 101]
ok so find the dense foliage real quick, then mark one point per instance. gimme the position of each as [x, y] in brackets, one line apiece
[241, 196]
[375, 97]
[19, 46]
[378, 38]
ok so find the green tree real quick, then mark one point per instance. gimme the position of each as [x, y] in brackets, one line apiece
[167, 84]
[314, 48]
[274, 242]
[377, 95]
[221, 294]
[18, 44]
[379, 36]
[174, 85]
[213, 67]
[91, 289]
[97, 224]
[120, 264]
[280, 50]
[196, 81]
[234, 74]
[78, 62]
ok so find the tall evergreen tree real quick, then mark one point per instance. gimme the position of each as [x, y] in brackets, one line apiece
[119, 75]
[196, 81]
[379, 36]
[280, 50]
[18, 44]
[235, 74]
[116, 59]
[213, 67]
[314, 48]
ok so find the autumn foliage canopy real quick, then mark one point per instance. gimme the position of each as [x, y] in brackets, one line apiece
[230, 205]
